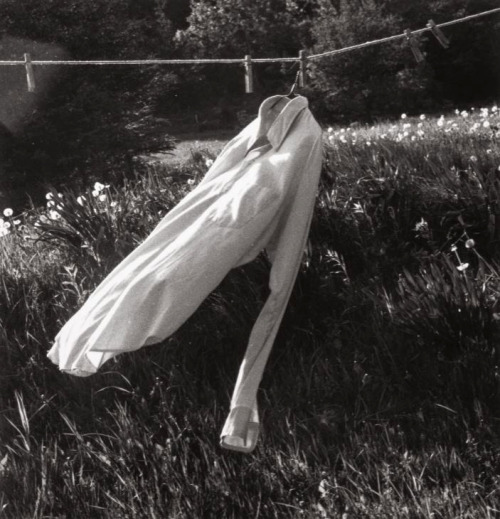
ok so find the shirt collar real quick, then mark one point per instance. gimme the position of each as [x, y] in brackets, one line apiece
[276, 115]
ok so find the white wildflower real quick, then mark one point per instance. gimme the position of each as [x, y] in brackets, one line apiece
[403, 116]
[422, 225]
[422, 117]
[462, 266]
[49, 196]
[486, 124]
[8, 212]
[54, 215]
[98, 187]
[464, 114]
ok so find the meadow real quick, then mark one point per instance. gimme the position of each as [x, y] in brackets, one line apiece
[381, 398]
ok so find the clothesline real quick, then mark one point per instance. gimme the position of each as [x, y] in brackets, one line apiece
[404, 35]
[242, 60]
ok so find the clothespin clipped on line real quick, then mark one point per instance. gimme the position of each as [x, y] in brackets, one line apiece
[301, 76]
[414, 46]
[438, 33]
[248, 74]
[30, 76]
[303, 68]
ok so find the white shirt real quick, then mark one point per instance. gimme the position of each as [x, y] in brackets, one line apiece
[259, 193]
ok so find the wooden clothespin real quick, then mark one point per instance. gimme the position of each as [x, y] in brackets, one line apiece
[30, 76]
[248, 74]
[303, 68]
[414, 46]
[438, 33]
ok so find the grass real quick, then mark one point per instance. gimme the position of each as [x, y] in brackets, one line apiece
[381, 397]
[191, 145]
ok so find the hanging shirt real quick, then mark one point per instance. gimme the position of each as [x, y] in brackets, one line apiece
[259, 193]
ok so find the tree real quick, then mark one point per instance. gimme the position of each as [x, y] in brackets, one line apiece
[378, 79]
[469, 70]
[235, 28]
[90, 120]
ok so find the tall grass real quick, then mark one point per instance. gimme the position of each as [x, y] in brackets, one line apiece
[381, 397]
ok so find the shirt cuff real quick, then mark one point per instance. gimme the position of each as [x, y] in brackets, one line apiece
[241, 430]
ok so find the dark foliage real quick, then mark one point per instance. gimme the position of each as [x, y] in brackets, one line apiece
[87, 120]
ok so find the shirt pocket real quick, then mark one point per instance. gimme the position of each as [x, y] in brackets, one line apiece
[244, 201]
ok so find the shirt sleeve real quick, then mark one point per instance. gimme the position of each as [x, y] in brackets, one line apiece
[241, 428]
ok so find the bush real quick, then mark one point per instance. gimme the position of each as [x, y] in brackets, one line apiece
[367, 82]
[87, 118]
[259, 28]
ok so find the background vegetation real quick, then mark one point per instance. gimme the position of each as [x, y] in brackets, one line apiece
[86, 123]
